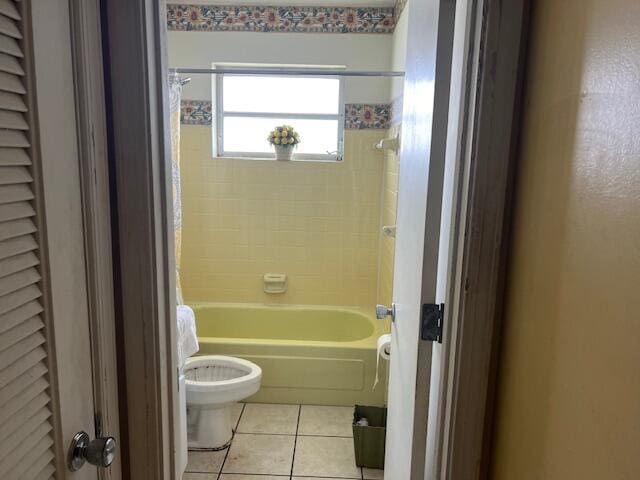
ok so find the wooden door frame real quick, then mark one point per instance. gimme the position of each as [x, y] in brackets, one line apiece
[488, 149]
[94, 185]
[139, 140]
[137, 95]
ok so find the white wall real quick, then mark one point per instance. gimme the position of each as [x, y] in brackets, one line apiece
[399, 50]
[355, 51]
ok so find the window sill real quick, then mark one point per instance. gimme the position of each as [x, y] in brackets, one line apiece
[273, 159]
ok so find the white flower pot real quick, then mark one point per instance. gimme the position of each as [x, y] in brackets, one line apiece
[284, 153]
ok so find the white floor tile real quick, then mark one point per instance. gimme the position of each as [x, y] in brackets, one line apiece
[199, 476]
[315, 478]
[372, 474]
[326, 421]
[260, 454]
[267, 418]
[330, 457]
[234, 476]
[205, 462]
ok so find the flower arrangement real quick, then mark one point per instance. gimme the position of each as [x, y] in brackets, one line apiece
[284, 135]
[284, 138]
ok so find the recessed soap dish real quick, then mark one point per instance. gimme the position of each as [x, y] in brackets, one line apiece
[275, 283]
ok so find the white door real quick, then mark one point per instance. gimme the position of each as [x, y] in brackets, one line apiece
[46, 384]
[420, 190]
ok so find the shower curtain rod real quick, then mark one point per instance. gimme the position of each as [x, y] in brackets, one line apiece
[286, 71]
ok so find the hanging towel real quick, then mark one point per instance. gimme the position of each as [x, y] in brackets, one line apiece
[186, 332]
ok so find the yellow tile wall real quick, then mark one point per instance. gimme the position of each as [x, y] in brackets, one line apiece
[388, 217]
[317, 222]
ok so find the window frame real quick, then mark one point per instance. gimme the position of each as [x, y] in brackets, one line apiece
[220, 114]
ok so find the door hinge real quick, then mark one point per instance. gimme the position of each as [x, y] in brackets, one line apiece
[432, 318]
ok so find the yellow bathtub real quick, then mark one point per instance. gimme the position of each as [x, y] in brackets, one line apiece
[311, 355]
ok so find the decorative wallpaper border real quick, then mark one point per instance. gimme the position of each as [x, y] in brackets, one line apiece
[357, 115]
[196, 112]
[256, 18]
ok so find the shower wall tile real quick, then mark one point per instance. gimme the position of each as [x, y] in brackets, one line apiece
[389, 206]
[317, 222]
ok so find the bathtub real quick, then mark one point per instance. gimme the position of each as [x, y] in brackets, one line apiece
[308, 355]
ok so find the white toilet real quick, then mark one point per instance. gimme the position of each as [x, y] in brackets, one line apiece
[213, 384]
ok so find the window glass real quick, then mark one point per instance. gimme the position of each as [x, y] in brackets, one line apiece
[249, 134]
[252, 106]
[281, 94]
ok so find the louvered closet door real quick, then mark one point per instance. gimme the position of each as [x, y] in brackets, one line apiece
[45, 358]
[26, 441]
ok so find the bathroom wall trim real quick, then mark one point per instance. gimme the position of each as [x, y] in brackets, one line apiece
[280, 19]
[358, 116]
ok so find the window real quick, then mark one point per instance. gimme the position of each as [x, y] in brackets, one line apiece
[249, 107]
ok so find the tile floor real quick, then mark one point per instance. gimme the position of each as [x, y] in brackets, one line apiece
[279, 442]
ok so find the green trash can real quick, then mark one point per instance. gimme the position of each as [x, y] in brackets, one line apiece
[368, 440]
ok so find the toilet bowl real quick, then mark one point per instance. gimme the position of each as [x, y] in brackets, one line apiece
[213, 384]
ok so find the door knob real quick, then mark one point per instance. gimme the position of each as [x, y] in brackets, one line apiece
[99, 452]
[382, 312]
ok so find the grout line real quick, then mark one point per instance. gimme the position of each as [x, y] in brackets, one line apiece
[244, 405]
[328, 478]
[295, 441]
[225, 458]
[233, 435]
[292, 435]
[270, 475]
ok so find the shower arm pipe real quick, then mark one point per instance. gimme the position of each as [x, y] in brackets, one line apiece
[286, 71]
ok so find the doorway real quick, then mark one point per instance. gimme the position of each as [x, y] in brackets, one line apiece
[57, 356]
[150, 292]
[272, 250]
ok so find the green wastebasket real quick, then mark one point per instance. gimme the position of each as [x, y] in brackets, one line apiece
[368, 440]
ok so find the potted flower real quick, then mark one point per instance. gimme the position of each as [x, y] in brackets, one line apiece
[284, 138]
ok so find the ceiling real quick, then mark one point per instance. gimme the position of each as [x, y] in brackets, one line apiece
[297, 3]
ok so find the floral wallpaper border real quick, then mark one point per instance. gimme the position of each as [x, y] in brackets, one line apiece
[257, 18]
[196, 112]
[357, 115]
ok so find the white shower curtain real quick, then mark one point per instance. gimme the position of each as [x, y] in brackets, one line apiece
[175, 89]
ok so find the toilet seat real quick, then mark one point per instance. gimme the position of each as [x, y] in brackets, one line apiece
[215, 379]
[213, 383]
